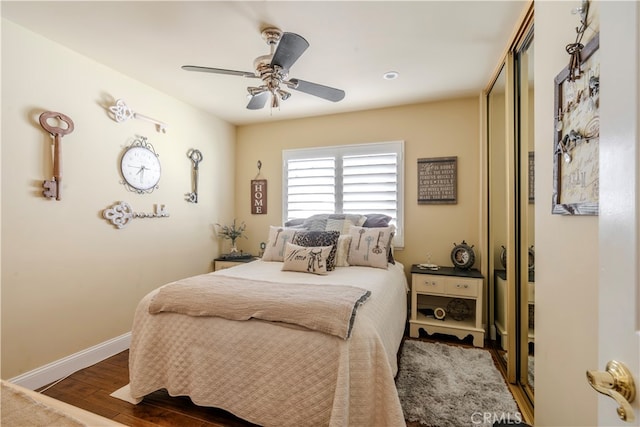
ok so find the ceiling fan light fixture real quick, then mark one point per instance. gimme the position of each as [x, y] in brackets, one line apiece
[256, 90]
[273, 69]
[275, 102]
[284, 95]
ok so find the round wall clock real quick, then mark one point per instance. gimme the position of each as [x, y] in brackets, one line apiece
[463, 256]
[140, 167]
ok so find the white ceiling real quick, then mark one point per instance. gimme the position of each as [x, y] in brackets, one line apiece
[441, 49]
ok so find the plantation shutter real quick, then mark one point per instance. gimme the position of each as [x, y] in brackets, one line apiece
[350, 179]
[311, 187]
[370, 184]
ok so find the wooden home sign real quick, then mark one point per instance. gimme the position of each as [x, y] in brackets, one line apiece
[437, 180]
[258, 196]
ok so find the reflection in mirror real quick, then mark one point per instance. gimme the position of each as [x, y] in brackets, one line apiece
[497, 179]
[526, 220]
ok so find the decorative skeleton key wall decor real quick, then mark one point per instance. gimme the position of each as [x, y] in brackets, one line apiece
[196, 158]
[53, 187]
[122, 213]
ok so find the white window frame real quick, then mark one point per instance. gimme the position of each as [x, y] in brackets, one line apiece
[349, 150]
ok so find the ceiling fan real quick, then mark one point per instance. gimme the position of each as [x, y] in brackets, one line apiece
[273, 70]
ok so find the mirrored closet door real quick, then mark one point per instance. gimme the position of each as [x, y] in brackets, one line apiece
[510, 211]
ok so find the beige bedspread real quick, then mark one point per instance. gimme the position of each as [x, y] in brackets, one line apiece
[328, 309]
[274, 374]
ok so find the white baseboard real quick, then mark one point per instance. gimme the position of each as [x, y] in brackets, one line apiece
[68, 365]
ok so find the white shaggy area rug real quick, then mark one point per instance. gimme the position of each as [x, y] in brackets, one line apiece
[451, 386]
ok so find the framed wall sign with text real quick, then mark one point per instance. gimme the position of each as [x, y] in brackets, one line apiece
[438, 180]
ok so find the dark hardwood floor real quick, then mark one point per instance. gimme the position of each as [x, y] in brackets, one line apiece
[90, 389]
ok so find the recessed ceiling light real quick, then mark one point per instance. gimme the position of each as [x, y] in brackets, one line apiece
[390, 75]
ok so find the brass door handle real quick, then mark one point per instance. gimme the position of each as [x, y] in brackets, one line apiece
[617, 383]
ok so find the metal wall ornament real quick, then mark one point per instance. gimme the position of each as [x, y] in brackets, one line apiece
[53, 187]
[196, 158]
[121, 113]
[576, 137]
[121, 214]
[575, 49]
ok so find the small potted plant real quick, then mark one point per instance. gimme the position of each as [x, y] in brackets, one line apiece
[232, 232]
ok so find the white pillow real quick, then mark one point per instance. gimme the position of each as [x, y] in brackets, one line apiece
[278, 238]
[307, 259]
[342, 252]
[370, 246]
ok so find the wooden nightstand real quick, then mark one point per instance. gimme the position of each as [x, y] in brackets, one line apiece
[222, 263]
[458, 292]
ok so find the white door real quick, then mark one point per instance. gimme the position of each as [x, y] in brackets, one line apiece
[619, 220]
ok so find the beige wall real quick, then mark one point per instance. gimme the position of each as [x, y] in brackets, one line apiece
[438, 129]
[70, 280]
[566, 253]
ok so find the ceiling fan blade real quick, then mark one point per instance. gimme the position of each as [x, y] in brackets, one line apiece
[219, 71]
[290, 48]
[325, 92]
[258, 101]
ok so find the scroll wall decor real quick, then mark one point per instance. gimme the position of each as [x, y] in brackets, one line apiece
[577, 132]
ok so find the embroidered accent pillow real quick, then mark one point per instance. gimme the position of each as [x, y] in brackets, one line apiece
[278, 238]
[319, 238]
[307, 259]
[342, 252]
[370, 246]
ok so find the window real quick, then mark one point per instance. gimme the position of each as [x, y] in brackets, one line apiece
[350, 179]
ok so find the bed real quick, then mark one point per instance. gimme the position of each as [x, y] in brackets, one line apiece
[276, 373]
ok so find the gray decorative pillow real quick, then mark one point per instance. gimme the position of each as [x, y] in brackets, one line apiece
[376, 220]
[296, 222]
[278, 238]
[370, 246]
[319, 238]
[333, 222]
[307, 259]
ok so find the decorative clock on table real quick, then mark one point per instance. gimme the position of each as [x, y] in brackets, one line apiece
[463, 256]
[140, 166]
